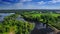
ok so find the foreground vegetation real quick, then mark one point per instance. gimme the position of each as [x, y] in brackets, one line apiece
[12, 26]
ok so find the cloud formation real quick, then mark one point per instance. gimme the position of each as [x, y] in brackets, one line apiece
[41, 2]
[8, 1]
[49, 2]
[30, 4]
[54, 1]
[25, 0]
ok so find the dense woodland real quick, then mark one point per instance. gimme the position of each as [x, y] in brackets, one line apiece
[50, 18]
[11, 25]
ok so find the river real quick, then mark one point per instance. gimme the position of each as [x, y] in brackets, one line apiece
[39, 28]
[2, 15]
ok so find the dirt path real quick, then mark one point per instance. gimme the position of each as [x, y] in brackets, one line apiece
[56, 31]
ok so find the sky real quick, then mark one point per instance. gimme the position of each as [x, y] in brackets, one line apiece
[29, 4]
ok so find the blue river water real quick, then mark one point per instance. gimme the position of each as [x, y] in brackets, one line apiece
[2, 15]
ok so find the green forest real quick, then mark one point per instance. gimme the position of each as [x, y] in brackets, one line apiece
[10, 24]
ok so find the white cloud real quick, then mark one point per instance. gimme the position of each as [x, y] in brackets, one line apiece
[25, 0]
[41, 2]
[48, 2]
[54, 1]
[3, 2]
[19, 5]
[14, 6]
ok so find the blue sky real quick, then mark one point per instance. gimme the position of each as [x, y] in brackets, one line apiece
[29, 4]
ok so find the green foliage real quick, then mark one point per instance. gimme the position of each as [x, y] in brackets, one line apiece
[12, 26]
[51, 19]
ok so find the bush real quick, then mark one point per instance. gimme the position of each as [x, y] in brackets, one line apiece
[12, 26]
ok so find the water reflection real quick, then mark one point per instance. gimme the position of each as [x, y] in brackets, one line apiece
[40, 29]
[2, 15]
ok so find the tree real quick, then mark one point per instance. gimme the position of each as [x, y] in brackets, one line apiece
[12, 26]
